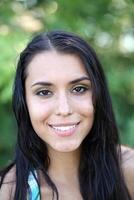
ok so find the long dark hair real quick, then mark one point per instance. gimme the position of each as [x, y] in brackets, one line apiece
[100, 173]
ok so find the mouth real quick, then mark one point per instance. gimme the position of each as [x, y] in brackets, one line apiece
[64, 129]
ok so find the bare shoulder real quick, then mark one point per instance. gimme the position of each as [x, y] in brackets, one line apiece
[127, 155]
[8, 186]
[128, 167]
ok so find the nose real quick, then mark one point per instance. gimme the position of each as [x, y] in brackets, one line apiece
[63, 106]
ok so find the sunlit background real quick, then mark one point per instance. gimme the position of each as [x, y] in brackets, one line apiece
[108, 25]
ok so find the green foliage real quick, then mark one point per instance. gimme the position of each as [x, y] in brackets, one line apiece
[106, 24]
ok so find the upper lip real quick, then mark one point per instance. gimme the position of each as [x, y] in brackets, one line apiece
[64, 124]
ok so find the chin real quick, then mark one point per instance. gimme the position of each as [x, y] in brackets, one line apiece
[69, 147]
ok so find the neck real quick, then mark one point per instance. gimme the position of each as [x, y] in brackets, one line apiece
[64, 166]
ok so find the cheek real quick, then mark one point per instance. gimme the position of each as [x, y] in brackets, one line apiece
[86, 107]
[39, 112]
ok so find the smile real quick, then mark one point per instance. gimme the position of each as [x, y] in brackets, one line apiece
[65, 130]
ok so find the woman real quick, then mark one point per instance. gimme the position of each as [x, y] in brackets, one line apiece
[67, 145]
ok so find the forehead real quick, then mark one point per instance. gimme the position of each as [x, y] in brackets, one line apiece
[52, 64]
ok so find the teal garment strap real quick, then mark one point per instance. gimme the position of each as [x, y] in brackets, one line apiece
[33, 188]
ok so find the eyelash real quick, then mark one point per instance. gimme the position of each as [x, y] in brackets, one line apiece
[81, 89]
[43, 93]
[78, 91]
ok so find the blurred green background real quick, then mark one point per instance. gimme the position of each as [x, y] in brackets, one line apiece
[108, 25]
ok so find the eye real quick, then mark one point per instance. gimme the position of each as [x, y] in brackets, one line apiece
[80, 89]
[44, 93]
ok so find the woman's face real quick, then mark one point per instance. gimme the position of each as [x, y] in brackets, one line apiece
[59, 100]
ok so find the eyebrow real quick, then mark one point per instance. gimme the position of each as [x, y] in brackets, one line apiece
[44, 83]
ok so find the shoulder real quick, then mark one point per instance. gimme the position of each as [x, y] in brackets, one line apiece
[127, 154]
[8, 185]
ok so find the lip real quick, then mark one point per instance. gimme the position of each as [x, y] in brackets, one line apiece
[64, 133]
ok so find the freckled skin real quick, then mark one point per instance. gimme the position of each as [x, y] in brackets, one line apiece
[60, 102]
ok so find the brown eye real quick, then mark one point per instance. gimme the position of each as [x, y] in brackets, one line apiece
[80, 89]
[44, 93]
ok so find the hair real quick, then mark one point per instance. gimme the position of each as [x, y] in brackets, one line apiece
[100, 173]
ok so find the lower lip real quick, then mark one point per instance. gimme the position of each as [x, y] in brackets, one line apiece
[65, 133]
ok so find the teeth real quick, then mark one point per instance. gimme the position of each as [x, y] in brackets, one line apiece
[64, 128]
